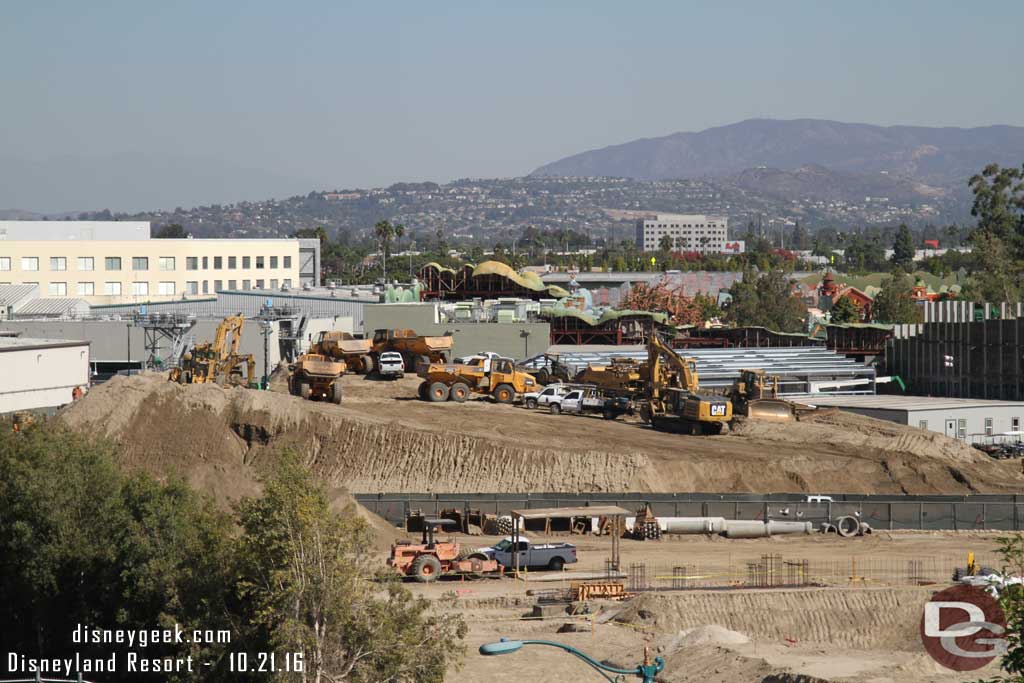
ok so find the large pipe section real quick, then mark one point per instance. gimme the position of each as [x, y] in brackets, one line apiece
[733, 528]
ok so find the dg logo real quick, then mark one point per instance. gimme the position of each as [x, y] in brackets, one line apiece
[962, 628]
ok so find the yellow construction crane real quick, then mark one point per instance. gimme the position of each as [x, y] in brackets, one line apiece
[217, 361]
[673, 401]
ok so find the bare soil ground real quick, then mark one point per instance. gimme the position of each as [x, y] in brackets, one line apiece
[856, 627]
[383, 439]
[849, 630]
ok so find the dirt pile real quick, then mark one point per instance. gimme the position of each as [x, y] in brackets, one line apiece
[848, 431]
[381, 439]
[164, 427]
[858, 618]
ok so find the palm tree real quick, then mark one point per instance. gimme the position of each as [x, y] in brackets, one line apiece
[386, 233]
[665, 243]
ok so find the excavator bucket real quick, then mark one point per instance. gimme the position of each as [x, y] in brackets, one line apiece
[770, 409]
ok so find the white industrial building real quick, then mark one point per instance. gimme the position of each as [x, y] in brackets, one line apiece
[688, 232]
[975, 421]
[41, 373]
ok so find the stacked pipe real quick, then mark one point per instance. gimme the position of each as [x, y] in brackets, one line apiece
[731, 528]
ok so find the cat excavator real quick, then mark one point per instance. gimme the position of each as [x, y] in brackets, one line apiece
[673, 401]
[218, 361]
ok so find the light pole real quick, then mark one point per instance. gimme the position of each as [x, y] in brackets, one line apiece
[645, 671]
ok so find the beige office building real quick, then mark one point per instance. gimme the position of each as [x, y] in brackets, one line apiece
[69, 259]
[687, 232]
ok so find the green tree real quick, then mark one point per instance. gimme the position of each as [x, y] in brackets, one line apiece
[998, 238]
[766, 300]
[845, 311]
[999, 203]
[171, 231]
[83, 543]
[903, 249]
[894, 303]
[801, 238]
[386, 233]
[665, 243]
[308, 580]
[1011, 599]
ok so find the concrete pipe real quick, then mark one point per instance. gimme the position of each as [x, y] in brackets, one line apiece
[745, 529]
[777, 528]
[848, 526]
[693, 525]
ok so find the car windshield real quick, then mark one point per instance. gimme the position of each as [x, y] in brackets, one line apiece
[503, 546]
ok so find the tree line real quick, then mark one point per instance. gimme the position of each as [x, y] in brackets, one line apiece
[82, 542]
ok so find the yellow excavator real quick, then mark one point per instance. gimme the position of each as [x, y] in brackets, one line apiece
[673, 401]
[218, 361]
[756, 395]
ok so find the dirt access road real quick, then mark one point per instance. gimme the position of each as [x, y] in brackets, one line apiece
[383, 439]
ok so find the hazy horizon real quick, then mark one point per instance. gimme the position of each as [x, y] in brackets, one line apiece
[130, 107]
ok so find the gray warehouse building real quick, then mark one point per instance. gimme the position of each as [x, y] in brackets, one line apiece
[975, 421]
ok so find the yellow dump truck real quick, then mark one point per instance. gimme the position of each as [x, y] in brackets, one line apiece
[416, 349]
[622, 377]
[315, 376]
[494, 377]
[357, 353]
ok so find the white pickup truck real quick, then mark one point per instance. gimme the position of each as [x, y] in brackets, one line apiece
[390, 365]
[582, 400]
[553, 556]
[551, 392]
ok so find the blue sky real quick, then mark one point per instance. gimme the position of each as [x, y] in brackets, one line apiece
[284, 97]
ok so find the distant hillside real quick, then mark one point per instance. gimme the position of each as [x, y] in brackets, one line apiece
[819, 183]
[943, 157]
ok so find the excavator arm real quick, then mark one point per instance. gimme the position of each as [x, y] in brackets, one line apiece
[674, 371]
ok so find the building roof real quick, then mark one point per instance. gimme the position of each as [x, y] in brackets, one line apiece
[53, 306]
[910, 403]
[12, 294]
[585, 511]
[29, 343]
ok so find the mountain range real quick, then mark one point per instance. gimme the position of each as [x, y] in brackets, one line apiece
[909, 156]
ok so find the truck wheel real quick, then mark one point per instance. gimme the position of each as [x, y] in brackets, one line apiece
[438, 392]
[305, 390]
[459, 392]
[423, 390]
[367, 362]
[531, 403]
[556, 564]
[335, 392]
[504, 393]
[609, 414]
[555, 408]
[426, 568]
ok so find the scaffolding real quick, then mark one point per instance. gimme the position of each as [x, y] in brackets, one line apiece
[164, 332]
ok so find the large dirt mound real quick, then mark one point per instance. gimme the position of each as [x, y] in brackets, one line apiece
[383, 440]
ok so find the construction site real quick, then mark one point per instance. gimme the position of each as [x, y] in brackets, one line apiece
[716, 606]
[733, 505]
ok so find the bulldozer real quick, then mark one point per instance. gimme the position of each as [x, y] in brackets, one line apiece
[429, 559]
[497, 377]
[673, 401]
[416, 349]
[218, 361]
[756, 396]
